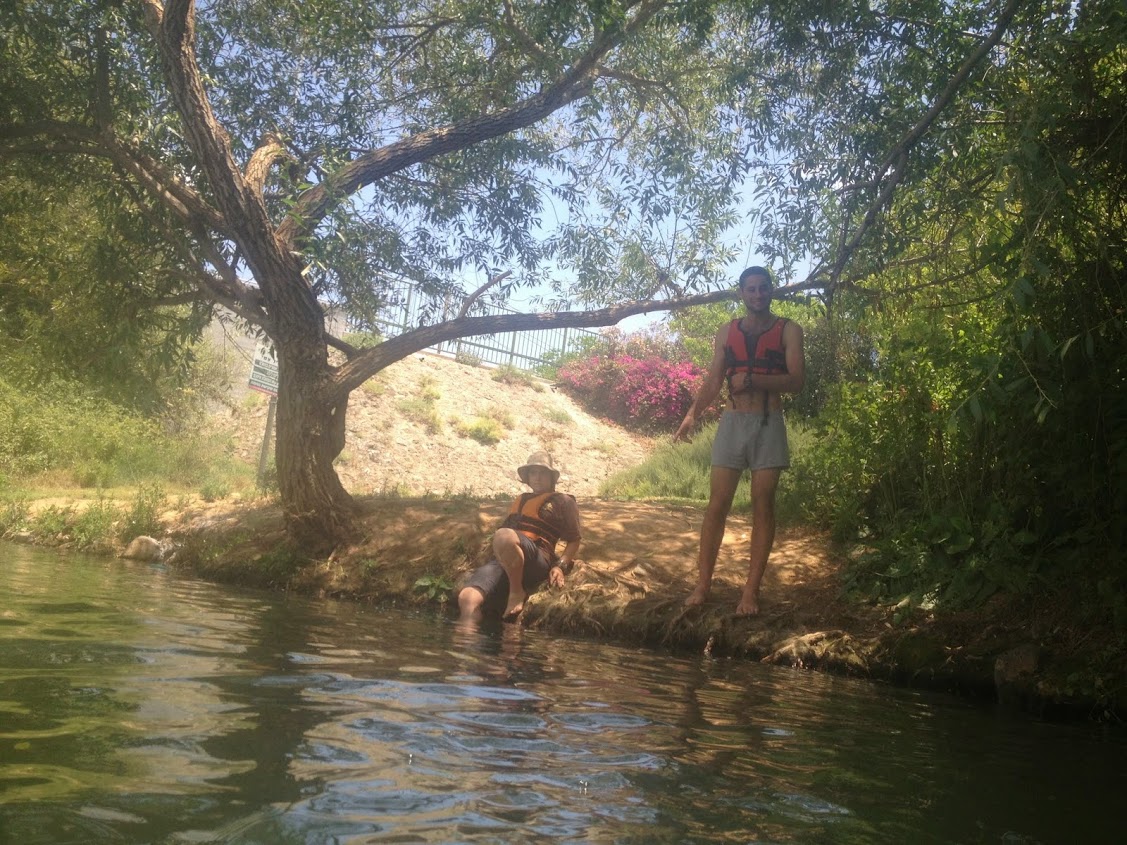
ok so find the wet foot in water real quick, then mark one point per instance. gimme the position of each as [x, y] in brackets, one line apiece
[515, 606]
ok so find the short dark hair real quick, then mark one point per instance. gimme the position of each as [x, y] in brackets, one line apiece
[756, 271]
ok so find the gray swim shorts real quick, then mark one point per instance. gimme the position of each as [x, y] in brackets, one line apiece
[750, 440]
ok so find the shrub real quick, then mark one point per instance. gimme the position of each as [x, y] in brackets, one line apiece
[559, 416]
[502, 417]
[13, 518]
[484, 431]
[93, 527]
[513, 376]
[422, 411]
[467, 358]
[215, 489]
[645, 393]
[143, 516]
[52, 524]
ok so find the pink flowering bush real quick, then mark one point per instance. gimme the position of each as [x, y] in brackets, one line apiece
[639, 391]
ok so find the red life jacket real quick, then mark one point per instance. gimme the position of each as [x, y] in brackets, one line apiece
[527, 517]
[769, 356]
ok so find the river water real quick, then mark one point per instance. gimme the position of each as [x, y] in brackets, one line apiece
[140, 706]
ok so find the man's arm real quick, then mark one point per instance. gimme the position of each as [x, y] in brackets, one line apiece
[567, 558]
[709, 388]
[795, 377]
[564, 564]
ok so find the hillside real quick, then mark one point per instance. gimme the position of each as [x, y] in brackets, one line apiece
[390, 447]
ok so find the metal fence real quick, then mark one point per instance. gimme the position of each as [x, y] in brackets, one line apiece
[407, 309]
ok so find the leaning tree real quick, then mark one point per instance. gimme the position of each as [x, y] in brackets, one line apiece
[296, 155]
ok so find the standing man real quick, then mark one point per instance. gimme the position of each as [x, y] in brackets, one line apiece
[760, 356]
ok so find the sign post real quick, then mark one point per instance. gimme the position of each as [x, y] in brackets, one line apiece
[264, 379]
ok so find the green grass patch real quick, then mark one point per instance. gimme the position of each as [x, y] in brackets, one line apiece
[422, 411]
[485, 431]
[678, 472]
[517, 377]
[499, 415]
[558, 416]
[59, 437]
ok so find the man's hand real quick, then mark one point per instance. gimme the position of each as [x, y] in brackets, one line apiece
[555, 577]
[685, 431]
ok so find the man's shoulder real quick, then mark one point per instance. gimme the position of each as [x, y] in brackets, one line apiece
[791, 327]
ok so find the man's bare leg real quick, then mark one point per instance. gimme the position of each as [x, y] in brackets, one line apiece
[507, 550]
[764, 483]
[470, 600]
[722, 489]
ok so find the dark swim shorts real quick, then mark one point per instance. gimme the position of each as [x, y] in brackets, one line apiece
[492, 582]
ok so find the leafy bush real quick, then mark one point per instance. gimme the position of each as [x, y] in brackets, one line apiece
[434, 587]
[645, 393]
[52, 524]
[62, 429]
[643, 380]
[13, 517]
[93, 527]
[143, 516]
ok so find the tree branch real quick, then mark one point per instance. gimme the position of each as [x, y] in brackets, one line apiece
[262, 159]
[373, 165]
[473, 296]
[370, 361]
[897, 157]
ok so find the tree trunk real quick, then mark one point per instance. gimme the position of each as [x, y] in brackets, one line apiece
[319, 513]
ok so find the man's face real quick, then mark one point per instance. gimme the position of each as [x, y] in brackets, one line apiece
[539, 479]
[756, 292]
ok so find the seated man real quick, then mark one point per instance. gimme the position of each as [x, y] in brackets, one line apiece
[525, 546]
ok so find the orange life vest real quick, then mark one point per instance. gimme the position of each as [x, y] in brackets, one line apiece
[527, 517]
[769, 357]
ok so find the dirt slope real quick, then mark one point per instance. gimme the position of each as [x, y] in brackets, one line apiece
[389, 449]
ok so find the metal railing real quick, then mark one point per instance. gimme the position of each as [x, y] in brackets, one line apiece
[407, 308]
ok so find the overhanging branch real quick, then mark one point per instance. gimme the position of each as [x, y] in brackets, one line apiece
[370, 361]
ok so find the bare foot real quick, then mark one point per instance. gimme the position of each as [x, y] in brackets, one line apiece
[696, 597]
[515, 606]
[748, 606]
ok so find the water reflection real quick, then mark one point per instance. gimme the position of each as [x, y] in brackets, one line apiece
[140, 707]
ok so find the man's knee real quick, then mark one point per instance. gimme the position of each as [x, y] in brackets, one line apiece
[718, 508]
[505, 539]
[470, 600]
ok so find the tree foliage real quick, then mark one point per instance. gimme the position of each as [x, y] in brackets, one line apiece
[953, 173]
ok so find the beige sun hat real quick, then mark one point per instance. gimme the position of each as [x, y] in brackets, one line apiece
[538, 459]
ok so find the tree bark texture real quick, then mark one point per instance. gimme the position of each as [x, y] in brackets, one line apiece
[319, 513]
